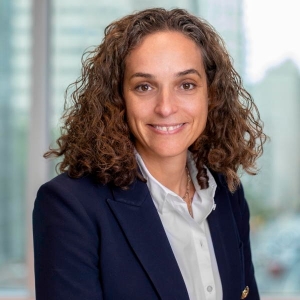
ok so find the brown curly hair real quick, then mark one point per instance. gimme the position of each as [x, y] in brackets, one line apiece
[95, 138]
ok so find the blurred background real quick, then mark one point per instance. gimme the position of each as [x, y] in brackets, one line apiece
[41, 44]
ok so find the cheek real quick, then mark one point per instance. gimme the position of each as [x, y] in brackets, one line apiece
[200, 111]
[200, 120]
[129, 117]
[133, 119]
[128, 106]
[137, 111]
[131, 112]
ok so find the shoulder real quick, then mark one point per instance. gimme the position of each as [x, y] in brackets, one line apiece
[66, 194]
[237, 201]
[237, 197]
[64, 184]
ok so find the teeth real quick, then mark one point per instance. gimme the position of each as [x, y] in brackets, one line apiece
[167, 128]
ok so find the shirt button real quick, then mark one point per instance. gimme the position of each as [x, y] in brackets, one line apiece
[209, 289]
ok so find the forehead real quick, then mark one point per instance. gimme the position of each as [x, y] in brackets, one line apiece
[165, 48]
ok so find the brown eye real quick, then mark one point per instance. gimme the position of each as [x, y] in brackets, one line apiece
[143, 88]
[188, 86]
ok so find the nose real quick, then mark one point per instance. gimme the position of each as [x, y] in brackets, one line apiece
[166, 103]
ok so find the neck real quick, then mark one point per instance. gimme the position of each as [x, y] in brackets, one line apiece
[169, 171]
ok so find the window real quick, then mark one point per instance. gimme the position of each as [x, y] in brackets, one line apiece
[273, 79]
[15, 61]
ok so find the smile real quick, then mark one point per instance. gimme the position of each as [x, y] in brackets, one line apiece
[168, 128]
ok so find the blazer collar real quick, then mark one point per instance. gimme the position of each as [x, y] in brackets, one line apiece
[142, 226]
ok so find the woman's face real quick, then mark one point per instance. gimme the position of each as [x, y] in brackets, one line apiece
[165, 92]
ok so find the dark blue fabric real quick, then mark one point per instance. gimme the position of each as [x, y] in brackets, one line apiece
[229, 227]
[98, 242]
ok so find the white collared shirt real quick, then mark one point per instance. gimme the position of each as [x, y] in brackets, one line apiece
[189, 237]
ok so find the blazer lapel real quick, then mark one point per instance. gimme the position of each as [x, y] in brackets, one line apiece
[141, 224]
[226, 244]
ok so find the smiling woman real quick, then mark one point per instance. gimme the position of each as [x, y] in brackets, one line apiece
[166, 99]
[149, 198]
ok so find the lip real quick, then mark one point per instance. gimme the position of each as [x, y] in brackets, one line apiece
[167, 128]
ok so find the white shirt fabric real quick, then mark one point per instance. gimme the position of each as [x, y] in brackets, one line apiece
[189, 237]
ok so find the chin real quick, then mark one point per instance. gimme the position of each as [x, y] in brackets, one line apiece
[166, 152]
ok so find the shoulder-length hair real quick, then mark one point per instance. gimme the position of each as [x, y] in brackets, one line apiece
[95, 138]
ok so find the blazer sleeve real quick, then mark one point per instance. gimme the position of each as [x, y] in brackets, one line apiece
[66, 246]
[242, 218]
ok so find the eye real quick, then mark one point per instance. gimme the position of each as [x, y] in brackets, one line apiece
[143, 88]
[188, 86]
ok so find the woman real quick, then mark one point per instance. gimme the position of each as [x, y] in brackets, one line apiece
[149, 204]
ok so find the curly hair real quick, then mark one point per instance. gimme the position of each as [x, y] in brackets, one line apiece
[95, 137]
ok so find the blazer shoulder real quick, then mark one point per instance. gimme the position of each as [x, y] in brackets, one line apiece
[64, 183]
[64, 179]
[64, 191]
[237, 196]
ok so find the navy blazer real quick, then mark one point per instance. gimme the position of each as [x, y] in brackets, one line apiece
[95, 242]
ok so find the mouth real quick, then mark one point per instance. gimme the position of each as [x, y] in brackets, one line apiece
[169, 128]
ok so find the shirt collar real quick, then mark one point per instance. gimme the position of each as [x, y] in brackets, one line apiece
[159, 192]
[208, 193]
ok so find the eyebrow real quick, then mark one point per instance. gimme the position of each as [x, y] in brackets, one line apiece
[179, 74]
[140, 74]
[189, 71]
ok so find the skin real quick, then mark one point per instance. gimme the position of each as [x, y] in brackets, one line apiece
[165, 91]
